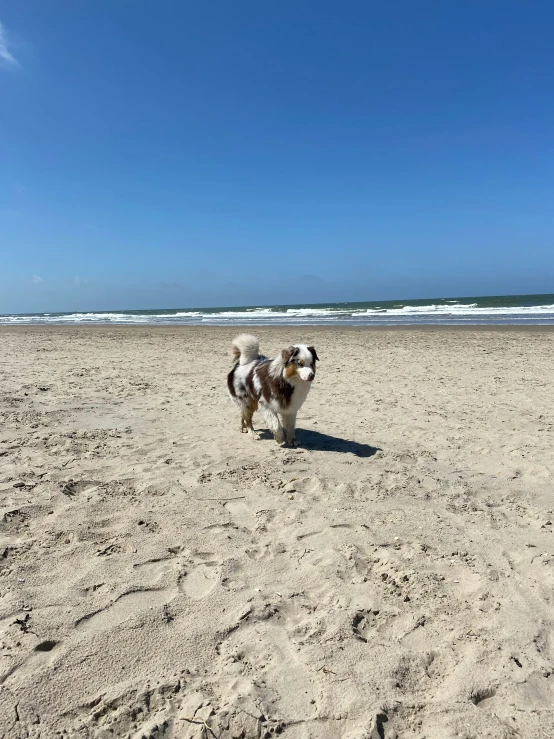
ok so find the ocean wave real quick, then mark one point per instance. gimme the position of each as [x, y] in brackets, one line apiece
[465, 309]
[446, 311]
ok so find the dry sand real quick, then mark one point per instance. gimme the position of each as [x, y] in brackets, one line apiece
[393, 577]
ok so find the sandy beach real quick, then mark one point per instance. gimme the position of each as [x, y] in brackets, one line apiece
[160, 573]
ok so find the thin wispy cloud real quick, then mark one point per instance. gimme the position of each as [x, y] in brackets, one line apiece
[6, 57]
[37, 279]
[80, 280]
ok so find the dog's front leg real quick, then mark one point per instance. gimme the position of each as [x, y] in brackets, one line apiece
[289, 423]
[274, 425]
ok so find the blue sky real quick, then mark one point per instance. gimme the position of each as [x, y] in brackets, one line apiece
[170, 153]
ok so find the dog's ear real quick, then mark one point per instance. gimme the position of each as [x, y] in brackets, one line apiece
[289, 354]
[313, 352]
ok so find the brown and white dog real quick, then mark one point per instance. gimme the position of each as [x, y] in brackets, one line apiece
[279, 385]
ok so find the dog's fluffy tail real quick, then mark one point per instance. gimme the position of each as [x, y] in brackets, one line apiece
[246, 349]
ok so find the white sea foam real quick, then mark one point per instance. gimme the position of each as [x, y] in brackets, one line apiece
[461, 309]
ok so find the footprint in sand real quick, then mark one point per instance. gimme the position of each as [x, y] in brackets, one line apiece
[364, 623]
[73, 488]
[201, 580]
[44, 654]
[241, 514]
[154, 570]
[123, 608]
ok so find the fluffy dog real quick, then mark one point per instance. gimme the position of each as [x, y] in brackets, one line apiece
[279, 385]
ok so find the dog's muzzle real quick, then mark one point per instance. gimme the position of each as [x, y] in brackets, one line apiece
[306, 374]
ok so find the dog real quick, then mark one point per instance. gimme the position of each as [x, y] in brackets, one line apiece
[280, 386]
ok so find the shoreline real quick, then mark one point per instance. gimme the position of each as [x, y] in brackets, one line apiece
[249, 328]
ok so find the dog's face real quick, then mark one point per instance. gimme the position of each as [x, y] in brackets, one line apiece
[300, 362]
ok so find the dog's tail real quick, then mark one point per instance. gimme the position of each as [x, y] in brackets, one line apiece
[246, 349]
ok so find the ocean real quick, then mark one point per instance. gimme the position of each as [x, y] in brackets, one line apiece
[497, 310]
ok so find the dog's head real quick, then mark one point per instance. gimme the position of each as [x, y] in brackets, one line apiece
[299, 362]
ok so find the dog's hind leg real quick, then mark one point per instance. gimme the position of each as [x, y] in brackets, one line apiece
[247, 420]
[244, 415]
[274, 424]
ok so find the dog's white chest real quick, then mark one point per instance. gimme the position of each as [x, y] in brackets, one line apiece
[299, 395]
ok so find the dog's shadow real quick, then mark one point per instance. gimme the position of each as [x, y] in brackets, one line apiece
[315, 440]
[325, 443]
